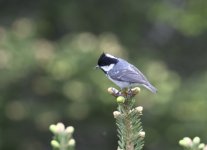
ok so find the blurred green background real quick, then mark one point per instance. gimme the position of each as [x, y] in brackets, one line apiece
[48, 50]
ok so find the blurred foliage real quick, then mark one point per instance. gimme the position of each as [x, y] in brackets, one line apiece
[47, 53]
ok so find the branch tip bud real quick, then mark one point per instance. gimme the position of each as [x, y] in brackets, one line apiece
[136, 90]
[116, 114]
[201, 146]
[120, 99]
[196, 140]
[69, 129]
[110, 90]
[182, 142]
[71, 142]
[53, 128]
[60, 127]
[186, 142]
[142, 134]
[113, 92]
[55, 144]
[139, 109]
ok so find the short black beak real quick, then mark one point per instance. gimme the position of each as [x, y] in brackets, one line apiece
[96, 67]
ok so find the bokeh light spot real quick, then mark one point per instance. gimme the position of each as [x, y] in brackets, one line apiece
[15, 110]
[78, 110]
[75, 90]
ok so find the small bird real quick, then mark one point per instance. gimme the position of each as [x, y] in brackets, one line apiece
[122, 73]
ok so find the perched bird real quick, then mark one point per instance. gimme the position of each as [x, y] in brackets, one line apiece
[122, 73]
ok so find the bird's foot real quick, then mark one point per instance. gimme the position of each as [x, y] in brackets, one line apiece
[126, 92]
[114, 92]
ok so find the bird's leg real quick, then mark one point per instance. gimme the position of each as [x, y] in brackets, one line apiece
[129, 93]
[116, 92]
[124, 92]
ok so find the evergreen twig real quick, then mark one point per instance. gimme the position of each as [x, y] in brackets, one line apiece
[129, 126]
[63, 137]
[192, 144]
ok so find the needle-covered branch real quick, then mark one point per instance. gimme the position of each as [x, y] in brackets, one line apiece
[129, 126]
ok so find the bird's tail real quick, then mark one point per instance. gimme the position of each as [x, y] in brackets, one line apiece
[151, 88]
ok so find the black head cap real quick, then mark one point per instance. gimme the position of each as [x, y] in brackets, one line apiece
[105, 60]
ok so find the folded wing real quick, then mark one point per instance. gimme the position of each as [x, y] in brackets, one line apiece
[129, 74]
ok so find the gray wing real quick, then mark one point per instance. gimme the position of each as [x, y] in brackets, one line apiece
[129, 74]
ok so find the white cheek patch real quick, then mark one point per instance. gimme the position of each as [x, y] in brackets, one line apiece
[107, 68]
